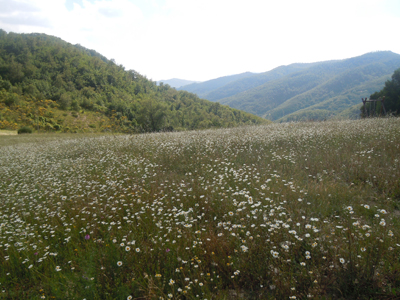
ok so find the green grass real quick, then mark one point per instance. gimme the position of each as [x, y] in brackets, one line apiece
[264, 212]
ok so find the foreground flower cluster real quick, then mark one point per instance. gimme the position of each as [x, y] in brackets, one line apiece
[283, 211]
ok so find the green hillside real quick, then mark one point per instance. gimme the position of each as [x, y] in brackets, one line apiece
[351, 113]
[341, 91]
[309, 91]
[49, 84]
[265, 98]
[336, 106]
[342, 84]
[256, 80]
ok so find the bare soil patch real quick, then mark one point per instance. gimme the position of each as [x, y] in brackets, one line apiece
[8, 132]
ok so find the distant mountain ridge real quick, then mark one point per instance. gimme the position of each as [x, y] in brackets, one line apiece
[176, 82]
[204, 88]
[297, 92]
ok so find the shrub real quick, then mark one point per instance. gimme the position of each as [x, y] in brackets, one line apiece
[57, 127]
[25, 129]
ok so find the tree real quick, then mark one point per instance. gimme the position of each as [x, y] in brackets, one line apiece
[152, 114]
[65, 101]
[391, 92]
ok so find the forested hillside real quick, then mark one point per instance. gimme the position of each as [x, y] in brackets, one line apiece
[49, 84]
[227, 86]
[335, 93]
[309, 91]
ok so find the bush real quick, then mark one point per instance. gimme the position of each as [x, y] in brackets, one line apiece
[25, 129]
[57, 127]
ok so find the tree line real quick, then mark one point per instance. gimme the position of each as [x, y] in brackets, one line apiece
[391, 95]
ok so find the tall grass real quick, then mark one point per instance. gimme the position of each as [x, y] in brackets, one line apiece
[283, 211]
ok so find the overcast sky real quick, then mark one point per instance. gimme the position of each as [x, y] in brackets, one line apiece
[206, 39]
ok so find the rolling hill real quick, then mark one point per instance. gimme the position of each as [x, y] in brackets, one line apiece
[49, 84]
[307, 91]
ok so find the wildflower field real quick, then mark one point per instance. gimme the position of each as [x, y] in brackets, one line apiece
[280, 211]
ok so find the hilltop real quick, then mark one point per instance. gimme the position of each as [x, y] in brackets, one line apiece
[49, 84]
[296, 92]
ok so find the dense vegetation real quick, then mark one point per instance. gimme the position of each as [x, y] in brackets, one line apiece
[391, 94]
[49, 84]
[313, 91]
[279, 211]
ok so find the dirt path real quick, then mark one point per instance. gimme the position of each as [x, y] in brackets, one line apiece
[8, 132]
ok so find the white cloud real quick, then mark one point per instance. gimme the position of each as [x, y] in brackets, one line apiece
[205, 39]
[15, 15]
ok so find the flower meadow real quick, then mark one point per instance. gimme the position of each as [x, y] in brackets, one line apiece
[279, 211]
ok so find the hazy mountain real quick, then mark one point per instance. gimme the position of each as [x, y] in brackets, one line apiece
[308, 91]
[246, 83]
[204, 88]
[176, 83]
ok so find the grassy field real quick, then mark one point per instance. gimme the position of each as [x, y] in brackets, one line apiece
[281, 211]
